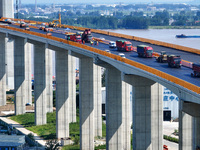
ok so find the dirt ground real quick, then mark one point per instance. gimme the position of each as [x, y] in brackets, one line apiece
[10, 106]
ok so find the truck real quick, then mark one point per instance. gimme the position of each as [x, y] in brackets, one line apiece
[86, 36]
[162, 57]
[174, 61]
[196, 70]
[124, 45]
[74, 37]
[145, 51]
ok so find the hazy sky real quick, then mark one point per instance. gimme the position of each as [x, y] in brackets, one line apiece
[104, 1]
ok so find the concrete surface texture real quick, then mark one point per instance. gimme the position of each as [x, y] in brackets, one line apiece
[72, 88]
[114, 127]
[97, 101]
[40, 54]
[19, 75]
[28, 96]
[10, 63]
[62, 94]
[156, 116]
[7, 9]
[49, 88]
[126, 115]
[86, 103]
[2, 70]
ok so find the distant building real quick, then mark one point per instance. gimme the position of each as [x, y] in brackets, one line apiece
[170, 105]
[12, 142]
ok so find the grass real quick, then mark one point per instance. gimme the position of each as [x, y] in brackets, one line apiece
[48, 131]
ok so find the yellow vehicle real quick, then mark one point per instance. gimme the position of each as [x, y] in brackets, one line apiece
[53, 24]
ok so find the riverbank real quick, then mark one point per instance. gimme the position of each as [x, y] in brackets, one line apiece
[174, 27]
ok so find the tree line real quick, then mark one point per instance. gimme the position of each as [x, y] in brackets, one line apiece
[135, 20]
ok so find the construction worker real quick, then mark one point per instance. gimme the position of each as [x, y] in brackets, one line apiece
[97, 43]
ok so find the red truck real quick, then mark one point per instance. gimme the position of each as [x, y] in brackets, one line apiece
[124, 45]
[174, 61]
[74, 37]
[196, 70]
[86, 36]
[144, 51]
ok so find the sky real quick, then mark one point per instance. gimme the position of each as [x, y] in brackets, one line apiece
[103, 1]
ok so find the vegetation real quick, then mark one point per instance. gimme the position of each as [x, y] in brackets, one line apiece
[52, 145]
[48, 131]
[172, 139]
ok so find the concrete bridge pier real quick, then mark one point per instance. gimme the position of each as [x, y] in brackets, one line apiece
[72, 87]
[86, 103]
[21, 90]
[49, 88]
[114, 128]
[2, 70]
[28, 96]
[40, 74]
[9, 63]
[189, 125]
[62, 94]
[126, 115]
[97, 101]
[147, 113]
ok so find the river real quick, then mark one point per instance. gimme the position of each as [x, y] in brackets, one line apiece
[165, 35]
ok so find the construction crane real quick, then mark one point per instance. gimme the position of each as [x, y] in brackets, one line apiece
[52, 24]
[17, 8]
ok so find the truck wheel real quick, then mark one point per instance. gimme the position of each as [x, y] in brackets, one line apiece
[192, 74]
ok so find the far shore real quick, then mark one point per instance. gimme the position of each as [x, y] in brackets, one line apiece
[174, 27]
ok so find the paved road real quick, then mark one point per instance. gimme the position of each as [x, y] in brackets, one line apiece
[168, 129]
[182, 73]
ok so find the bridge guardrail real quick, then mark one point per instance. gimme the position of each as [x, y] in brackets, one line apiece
[151, 70]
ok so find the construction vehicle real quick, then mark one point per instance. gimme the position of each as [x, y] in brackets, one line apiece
[53, 24]
[27, 27]
[162, 57]
[165, 147]
[174, 61]
[86, 36]
[196, 70]
[47, 28]
[124, 45]
[22, 25]
[41, 27]
[8, 21]
[48, 33]
[74, 37]
[145, 51]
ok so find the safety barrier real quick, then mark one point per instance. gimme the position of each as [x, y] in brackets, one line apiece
[151, 70]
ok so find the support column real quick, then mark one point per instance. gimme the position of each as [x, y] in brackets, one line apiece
[19, 74]
[97, 101]
[126, 116]
[114, 140]
[49, 88]
[40, 51]
[197, 132]
[186, 125]
[72, 88]
[141, 106]
[62, 94]
[28, 96]
[157, 116]
[2, 70]
[9, 63]
[86, 103]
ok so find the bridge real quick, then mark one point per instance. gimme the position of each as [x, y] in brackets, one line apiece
[145, 76]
